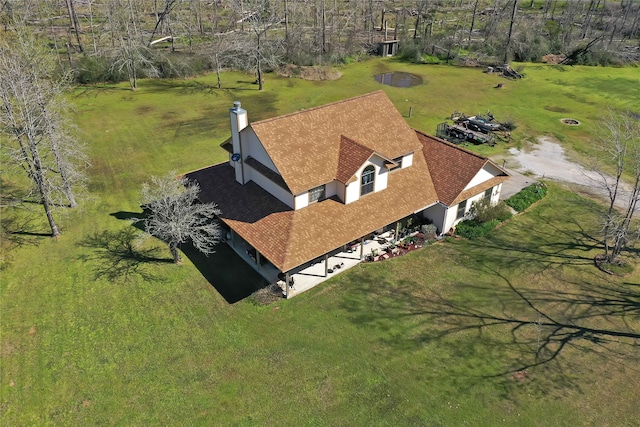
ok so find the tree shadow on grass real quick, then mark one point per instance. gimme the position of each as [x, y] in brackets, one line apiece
[545, 247]
[529, 304]
[185, 87]
[21, 226]
[504, 332]
[224, 270]
[95, 90]
[130, 216]
[558, 318]
[188, 87]
[118, 257]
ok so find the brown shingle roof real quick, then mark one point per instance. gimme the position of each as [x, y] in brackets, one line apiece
[453, 167]
[351, 156]
[470, 192]
[291, 238]
[305, 146]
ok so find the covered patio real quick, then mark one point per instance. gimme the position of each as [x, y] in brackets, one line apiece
[311, 274]
[324, 268]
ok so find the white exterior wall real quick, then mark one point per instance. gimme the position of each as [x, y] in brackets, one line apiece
[254, 148]
[301, 200]
[495, 194]
[450, 218]
[482, 176]
[486, 173]
[476, 198]
[269, 186]
[352, 192]
[453, 211]
[246, 142]
[407, 160]
[382, 173]
[331, 189]
[380, 182]
[238, 120]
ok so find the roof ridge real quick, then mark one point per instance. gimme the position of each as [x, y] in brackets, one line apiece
[353, 141]
[319, 107]
[452, 145]
[377, 153]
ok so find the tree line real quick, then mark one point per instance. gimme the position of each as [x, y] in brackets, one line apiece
[102, 40]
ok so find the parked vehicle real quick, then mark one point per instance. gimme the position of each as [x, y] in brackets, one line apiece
[474, 129]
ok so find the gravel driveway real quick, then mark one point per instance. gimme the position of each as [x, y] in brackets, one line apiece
[547, 160]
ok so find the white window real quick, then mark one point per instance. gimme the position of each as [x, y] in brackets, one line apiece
[316, 194]
[462, 208]
[488, 194]
[368, 178]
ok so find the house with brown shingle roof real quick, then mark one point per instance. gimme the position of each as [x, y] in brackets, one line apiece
[301, 187]
[461, 177]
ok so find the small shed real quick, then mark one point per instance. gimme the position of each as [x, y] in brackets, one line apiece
[388, 48]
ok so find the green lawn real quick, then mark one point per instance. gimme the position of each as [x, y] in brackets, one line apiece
[517, 328]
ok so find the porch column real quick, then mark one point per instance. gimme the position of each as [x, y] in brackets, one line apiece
[326, 265]
[286, 285]
[257, 257]
[362, 247]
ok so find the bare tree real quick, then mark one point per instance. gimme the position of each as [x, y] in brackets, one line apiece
[34, 121]
[162, 17]
[223, 50]
[259, 50]
[513, 19]
[132, 55]
[176, 216]
[473, 18]
[620, 138]
[132, 58]
[74, 24]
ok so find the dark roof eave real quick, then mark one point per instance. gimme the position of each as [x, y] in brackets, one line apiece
[267, 173]
[227, 145]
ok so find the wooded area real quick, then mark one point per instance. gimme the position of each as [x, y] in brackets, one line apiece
[114, 40]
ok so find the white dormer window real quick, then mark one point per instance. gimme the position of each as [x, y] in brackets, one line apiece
[316, 194]
[367, 180]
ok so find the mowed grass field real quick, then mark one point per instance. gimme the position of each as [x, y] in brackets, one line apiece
[518, 328]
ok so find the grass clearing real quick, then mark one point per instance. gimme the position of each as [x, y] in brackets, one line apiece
[447, 335]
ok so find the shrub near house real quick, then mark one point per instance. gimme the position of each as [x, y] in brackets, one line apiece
[483, 217]
[527, 196]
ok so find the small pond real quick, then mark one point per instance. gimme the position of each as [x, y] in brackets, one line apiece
[398, 79]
